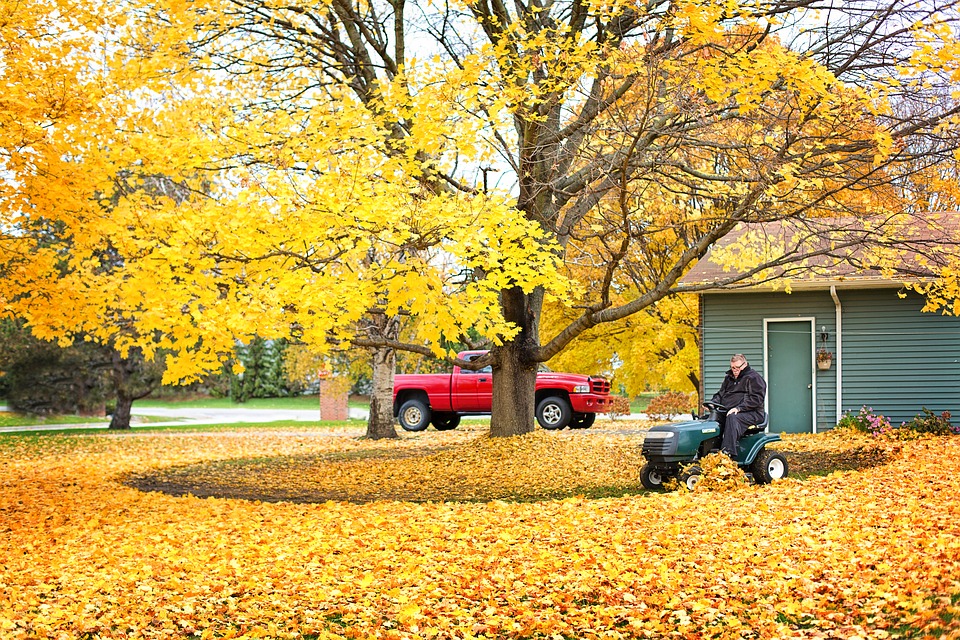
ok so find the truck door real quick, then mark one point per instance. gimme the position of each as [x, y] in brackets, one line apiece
[473, 390]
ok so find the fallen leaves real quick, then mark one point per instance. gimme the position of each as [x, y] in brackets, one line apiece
[872, 553]
[466, 466]
[719, 473]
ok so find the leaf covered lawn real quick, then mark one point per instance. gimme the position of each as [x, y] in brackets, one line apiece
[871, 552]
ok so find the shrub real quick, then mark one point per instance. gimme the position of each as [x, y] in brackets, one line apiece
[670, 404]
[620, 406]
[866, 421]
[927, 422]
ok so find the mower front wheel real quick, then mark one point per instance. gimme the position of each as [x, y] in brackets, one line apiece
[651, 479]
[768, 466]
[690, 477]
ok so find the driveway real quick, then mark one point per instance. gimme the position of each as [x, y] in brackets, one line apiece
[194, 416]
[229, 415]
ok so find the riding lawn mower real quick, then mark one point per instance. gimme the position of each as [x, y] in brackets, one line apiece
[672, 450]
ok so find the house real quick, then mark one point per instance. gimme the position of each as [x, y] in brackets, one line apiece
[886, 353]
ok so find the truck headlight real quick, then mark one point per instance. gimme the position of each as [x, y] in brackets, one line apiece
[581, 388]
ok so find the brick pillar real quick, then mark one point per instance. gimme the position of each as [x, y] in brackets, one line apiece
[333, 399]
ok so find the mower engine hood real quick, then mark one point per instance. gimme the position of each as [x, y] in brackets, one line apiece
[678, 441]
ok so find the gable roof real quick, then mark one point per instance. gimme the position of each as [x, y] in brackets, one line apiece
[814, 254]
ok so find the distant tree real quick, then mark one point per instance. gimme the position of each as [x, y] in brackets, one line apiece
[263, 374]
[656, 348]
[46, 379]
[83, 378]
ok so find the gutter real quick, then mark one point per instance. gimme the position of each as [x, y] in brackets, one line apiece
[839, 333]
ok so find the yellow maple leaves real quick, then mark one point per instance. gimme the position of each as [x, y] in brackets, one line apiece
[866, 553]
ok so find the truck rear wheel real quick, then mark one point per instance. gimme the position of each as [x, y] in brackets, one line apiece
[445, 421]
[554, 413]
[414, 415]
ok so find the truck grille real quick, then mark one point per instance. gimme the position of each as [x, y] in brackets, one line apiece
[599, 385]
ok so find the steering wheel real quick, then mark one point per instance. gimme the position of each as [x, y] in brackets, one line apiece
[715, 409]
[714, 406]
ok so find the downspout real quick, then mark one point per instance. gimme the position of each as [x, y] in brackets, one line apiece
[839, 332]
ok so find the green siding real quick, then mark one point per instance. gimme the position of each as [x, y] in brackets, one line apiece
[733, 323]
[897, 359]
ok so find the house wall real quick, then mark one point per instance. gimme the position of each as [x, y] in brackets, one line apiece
[894, 358]
[733, 323]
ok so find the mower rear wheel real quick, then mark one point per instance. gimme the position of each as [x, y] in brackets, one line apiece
[690, 476]
[651, 479]
[768, 466]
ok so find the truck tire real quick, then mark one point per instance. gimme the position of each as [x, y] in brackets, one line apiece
[582, 420]
[414, 415]
[443, 421]
[554, 413]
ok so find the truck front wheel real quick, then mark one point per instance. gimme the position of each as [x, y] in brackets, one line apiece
[554, 413]
[582, 420]
[414, 415]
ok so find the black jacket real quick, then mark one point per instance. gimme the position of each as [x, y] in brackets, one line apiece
[746, 392]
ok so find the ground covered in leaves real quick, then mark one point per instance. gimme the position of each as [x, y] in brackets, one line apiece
[466, 466]
[864, 543]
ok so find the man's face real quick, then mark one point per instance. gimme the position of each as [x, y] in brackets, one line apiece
[736, 366]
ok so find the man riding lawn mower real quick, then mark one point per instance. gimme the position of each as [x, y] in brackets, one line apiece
[672, 451]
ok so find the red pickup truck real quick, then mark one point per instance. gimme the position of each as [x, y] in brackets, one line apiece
[562, 399]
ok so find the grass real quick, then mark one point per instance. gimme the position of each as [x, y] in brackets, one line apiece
[185, 428]
[639, 403]
[11, 419]
[299, 403]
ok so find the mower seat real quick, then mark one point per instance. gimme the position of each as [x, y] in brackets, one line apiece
[758, 428]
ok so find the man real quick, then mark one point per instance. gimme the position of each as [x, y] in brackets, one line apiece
[743, 392]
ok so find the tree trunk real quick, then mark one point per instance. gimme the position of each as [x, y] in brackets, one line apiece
[121, 415]
[133, 378]
[380, 423]
[514, 369]
[514, 389]
[695, 381]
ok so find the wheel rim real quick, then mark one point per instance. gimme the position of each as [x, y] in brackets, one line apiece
[412, 416]
[654, 478]
[552, 414]
[775, 468]
[692, 481]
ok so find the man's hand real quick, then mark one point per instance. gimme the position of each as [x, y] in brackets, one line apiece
[733, 411]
